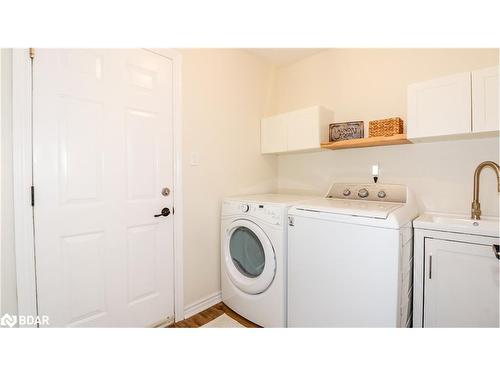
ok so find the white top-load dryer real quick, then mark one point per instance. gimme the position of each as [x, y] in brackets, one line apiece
[350, 257]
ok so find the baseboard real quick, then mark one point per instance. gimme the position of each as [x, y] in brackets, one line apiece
[164, 323]
[202, 304]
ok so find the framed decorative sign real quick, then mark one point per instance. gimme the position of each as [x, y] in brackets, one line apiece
[341, 131]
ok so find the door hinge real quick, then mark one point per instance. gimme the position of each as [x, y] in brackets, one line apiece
[32, 196]
[32, 53]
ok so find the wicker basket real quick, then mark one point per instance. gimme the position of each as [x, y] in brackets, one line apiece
[385, 127]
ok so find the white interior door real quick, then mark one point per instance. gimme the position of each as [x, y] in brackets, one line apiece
[102, 153]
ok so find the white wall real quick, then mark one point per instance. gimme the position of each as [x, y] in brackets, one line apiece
[8, 293]
[225, 94]
[367, 84]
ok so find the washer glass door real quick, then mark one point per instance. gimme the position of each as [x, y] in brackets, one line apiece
[247, 252]
[249, 257]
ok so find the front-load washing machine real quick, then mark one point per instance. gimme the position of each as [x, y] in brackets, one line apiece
[253, 256]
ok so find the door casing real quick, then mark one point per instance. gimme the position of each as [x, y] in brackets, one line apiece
[23, 166]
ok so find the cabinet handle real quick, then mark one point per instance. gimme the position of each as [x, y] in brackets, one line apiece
[496, 251]
[430, 266]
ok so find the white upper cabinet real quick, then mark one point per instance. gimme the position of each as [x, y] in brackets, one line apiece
[485, 100]
[304, 129]
[465, 103]
[440, 107]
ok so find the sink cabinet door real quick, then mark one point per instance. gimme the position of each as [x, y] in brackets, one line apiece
[461, 285]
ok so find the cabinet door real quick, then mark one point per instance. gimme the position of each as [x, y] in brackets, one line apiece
[460, 285]
[273, 135]
[303, 129]
[485, 100]
[440, 107]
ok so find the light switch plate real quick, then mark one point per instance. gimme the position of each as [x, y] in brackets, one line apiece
[195, 159]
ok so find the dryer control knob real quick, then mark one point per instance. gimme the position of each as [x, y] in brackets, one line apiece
[346, 192]
[363, 193]
[244, 207]
[381, 194]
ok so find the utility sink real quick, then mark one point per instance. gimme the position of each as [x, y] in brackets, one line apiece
[487, 226]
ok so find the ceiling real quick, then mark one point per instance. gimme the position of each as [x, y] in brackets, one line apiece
[284, 56]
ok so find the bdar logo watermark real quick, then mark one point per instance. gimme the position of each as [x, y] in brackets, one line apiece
[10, 321]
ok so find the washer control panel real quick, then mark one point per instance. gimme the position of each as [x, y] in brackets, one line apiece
[269, 213]
[371, 192]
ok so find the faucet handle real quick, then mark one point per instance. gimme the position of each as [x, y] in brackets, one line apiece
[475, 213]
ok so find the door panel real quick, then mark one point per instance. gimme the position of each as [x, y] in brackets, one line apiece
[142, 153]
[302, 130]
[485, 100]
[142, 257]
[440, 107]
[80, 150]
[84, 272]
[461, 285]
[102, 146]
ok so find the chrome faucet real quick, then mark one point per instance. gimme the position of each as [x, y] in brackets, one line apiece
[476, 206]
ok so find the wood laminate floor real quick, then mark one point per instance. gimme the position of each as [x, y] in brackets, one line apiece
[210, 314]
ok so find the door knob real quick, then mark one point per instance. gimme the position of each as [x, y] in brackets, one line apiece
[164, 212]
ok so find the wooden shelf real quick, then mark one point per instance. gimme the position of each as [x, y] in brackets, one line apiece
[398, 139]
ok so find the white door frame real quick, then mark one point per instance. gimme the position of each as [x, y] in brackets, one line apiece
[23, 167]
